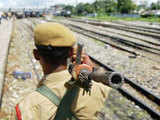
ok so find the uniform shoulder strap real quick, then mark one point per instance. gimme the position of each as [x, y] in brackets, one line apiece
[48, 93]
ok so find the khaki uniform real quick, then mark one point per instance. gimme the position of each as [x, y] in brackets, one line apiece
[37, 107]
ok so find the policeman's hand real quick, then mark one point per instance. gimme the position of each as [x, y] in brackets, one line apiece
[86, 64]
[84, 58]
[81, 71]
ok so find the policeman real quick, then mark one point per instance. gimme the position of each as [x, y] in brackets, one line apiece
[54, 45]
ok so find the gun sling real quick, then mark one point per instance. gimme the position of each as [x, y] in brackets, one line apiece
[64, 105]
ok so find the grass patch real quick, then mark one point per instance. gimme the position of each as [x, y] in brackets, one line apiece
[112, 18]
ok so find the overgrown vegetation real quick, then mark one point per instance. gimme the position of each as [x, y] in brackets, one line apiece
[103, 6]
[112, 18]
[115, 10]
[155, 6]
[111, 6]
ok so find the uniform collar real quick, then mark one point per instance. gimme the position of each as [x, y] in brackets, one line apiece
[56, 78]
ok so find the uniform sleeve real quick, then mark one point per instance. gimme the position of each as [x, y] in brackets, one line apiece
[34, 107]
[87, 106]
[28, 110]
[19, 114]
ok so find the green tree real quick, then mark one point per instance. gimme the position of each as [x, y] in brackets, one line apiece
[88, 8]
[99, 6]
[155, 6]
[69, 7]
[125, 6]
[110, 6]
[83, 9]
[80, 9]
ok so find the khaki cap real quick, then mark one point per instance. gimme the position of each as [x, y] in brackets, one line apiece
[53, 34]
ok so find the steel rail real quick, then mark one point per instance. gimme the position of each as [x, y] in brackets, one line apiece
[115, 46]
[140, 26]
[122, 40]
[125, 40]
[131, 36]
[122, 23]
[125, 28]
[154, 114]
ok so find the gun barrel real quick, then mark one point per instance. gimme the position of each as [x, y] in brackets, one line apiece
[112, 79]
[79, 52]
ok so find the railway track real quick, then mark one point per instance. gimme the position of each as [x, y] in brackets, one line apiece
[133, 39]
[129, 41]
[118, 43]
[135, 26]
[141, 38]
[127, 23]
[130, 37]
[146, 32]
[140, 26]
[142, 96]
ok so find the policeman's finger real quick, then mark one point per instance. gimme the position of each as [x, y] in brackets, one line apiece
[75, 50]
[74, 58]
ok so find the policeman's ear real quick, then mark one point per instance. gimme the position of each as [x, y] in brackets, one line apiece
[36, 54]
